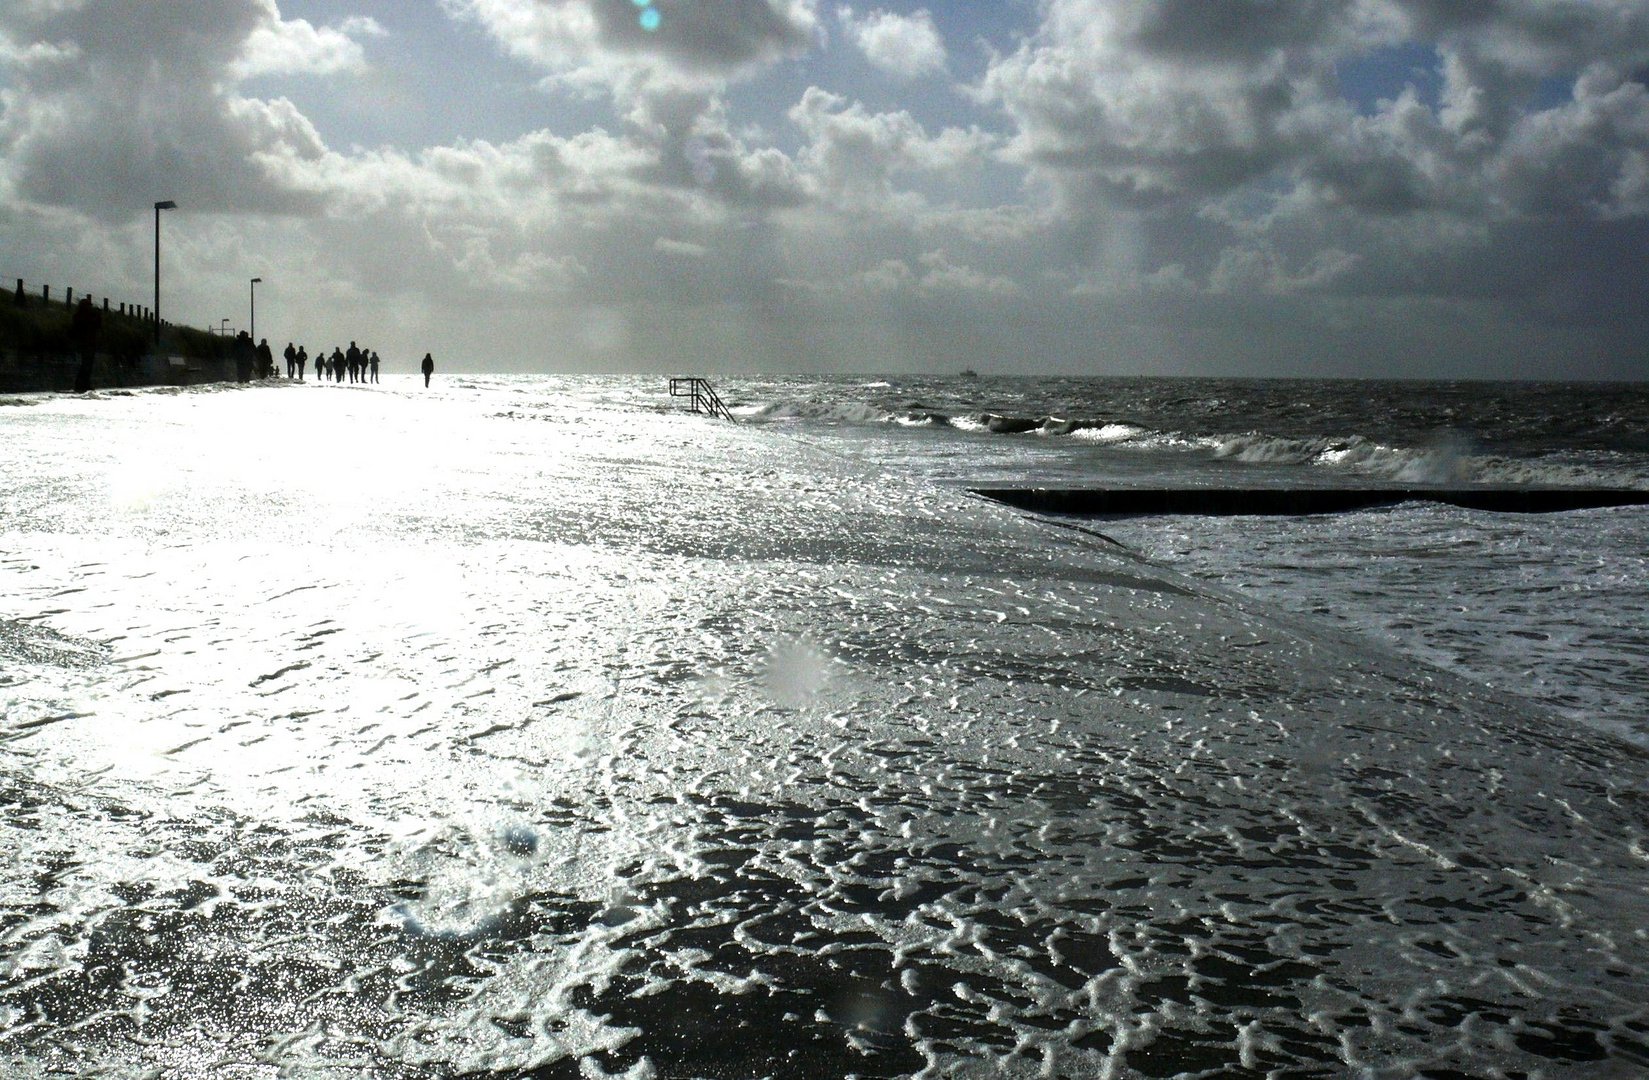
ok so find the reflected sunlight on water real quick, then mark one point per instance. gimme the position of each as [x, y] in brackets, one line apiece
[522, 724]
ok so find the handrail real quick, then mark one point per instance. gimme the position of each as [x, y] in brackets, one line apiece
[700, 395]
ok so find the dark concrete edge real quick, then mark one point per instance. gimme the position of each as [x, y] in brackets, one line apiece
[1300, 502]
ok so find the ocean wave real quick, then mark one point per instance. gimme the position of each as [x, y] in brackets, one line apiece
[1440, 464]
[1108, 433]
[1444, 460]
[841, 412]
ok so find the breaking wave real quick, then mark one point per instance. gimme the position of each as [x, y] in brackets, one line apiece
[1443, 460]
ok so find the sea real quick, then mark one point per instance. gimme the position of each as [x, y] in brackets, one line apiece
[535, 726]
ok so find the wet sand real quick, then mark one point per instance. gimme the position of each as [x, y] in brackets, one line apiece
[489, 731]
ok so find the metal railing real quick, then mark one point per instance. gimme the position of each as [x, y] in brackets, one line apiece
[700, 395]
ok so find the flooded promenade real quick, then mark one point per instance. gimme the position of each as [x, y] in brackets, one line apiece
[511, 729]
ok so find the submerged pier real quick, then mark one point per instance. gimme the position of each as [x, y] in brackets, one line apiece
[1291, 502]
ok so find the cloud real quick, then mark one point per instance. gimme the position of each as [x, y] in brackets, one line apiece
[856, 154]
[906, 46]
[666, 83]
[601, 44]
[116, 104]
[934, 274]
[1261, 269]
[1216, 137]
[680, 247]
[1152, 102]
[1161, 180]
[942, 274]
[294, 47]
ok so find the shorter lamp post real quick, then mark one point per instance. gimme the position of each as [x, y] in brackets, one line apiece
[254, 312]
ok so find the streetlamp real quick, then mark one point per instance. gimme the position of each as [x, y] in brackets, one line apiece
[223, 326]
[254, 319]
[167, 204]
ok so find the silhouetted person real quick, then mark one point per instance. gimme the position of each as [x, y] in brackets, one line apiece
[83, 330]
[303, 360]
[337, 364]
[291, 355]
[266, 360]
[428, 367]
[353, 358]
[245, 355]
[374, 366]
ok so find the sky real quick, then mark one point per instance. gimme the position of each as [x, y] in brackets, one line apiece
[1372, 188]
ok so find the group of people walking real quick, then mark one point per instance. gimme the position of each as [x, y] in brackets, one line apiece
[358, 364]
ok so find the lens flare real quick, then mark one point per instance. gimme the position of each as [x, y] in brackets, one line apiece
[649, 19]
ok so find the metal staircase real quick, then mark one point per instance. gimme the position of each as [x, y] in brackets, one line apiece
[700, 395]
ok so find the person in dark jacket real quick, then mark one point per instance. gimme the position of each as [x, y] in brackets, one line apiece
[428, 367]
[84, 329]
[353, 358]
[266, 360]
[291, 355]
[374, 364]
[246, 354]
[302, 359]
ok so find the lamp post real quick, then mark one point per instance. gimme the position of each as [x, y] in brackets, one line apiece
[254, 313]
[166, 204]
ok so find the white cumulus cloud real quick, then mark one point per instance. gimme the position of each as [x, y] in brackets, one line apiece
[295, 47]
[906, 46]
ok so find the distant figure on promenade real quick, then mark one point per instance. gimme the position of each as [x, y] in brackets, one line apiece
[337, 364]
[246, 355]
[353, 357]
[266, 360]
[428, 367]
[83, 331]
[291, 355]
[374, 363]
[303, 361]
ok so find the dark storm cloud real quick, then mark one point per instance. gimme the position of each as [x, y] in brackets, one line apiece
[1229, 29]
[602, 42]
[715, 36]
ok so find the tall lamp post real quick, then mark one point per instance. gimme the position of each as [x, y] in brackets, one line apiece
[166, 204]
[254, 313]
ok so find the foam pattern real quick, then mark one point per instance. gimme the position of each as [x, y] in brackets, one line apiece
[534, 740]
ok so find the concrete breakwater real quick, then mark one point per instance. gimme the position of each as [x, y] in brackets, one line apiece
[21, 373]
[1294, 501]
